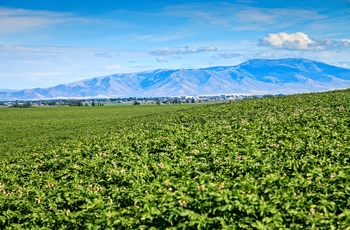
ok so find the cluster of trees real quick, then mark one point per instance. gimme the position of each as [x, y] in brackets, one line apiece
[75, 103]
[20, 105]
[80, 103]
[96, 104]
[174, 101]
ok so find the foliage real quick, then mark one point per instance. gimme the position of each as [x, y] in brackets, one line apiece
[21, 105]
[75, 103]
[42, 128]
[268, 163]
[96, 104]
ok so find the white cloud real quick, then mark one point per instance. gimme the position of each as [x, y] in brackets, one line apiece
[161, 59]
[206, 48]
[159, 37]
[258, 19]
[117, 68]
[19, 20]
[44, 66]
[345, 42]
[104, 55]
[256, 15]
[229, 55]
[298, 41]
[301, 41]
[169, 51]
[241, 17]
[343, 64]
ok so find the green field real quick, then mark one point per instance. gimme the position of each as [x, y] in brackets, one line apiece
[269, 163]
[44, 127]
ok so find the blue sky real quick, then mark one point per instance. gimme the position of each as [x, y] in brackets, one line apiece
[46, 42]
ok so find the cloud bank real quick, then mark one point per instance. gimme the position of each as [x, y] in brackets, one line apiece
[301, 41]
[19, 20]
[104, 55]
[168, 51]
[228, 55]
[161, 59]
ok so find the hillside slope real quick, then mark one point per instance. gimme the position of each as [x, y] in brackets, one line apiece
[258, 76]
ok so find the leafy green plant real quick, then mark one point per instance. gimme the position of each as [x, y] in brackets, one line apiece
[268, 163]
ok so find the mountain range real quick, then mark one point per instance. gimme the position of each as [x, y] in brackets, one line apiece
[254, 77]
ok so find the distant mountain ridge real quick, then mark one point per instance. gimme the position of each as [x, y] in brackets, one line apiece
[256, 77]
[7, 90]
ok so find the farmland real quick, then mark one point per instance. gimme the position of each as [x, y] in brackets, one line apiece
[44, 127]
[268, 163]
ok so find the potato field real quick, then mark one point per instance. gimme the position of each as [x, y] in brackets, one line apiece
[263, 163]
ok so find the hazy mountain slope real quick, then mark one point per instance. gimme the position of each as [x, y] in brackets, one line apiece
[256, 76]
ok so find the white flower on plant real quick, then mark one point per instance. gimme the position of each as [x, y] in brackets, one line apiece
[201, 187]
[183, 203]
[312, 210]
[167, 182]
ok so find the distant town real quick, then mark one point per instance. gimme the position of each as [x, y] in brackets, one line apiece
[129, 100]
